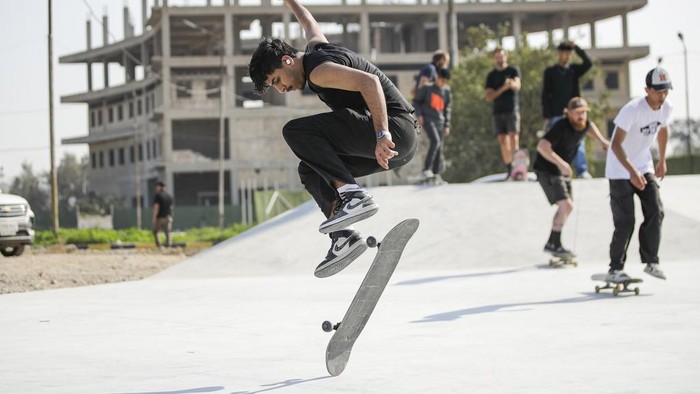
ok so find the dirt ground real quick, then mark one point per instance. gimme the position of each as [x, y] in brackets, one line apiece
[40, 269]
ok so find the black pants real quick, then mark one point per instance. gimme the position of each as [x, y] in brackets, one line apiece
[340, 145]
[436, 135]
[622, 204]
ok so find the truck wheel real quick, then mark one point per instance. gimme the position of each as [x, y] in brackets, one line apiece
[12, 251]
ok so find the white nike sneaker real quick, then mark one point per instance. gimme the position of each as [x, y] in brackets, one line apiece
[354, 205]
[617, 276]
[653, 270]
[346, 246]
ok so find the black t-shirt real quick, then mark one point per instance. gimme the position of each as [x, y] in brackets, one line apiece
[565, 140]
[337, 98]
[165, 204]
[508, 101]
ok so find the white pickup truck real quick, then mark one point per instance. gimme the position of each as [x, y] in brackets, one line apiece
[16, 224]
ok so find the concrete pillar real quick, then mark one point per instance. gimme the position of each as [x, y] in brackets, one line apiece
[442, 30]
[454, 38]
[286, 21]
[364, 34]
[565, 22]
[126, 24]
[105, 42]
[166, 85]
[594, 43]
[88, 29]
[144, 15]
[518, 29]
[625, 40]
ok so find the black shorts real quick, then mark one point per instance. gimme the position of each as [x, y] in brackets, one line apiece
[556, 187]
[505, 123]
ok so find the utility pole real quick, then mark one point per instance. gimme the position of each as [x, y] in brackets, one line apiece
[687, 104]
[54, 174]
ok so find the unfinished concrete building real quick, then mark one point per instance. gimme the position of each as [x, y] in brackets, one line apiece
[185, 80]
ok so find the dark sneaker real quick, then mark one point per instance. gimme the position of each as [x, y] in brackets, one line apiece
[354, 206]
[346, 246]
[617, 276]
[653, 270]
[558, 250]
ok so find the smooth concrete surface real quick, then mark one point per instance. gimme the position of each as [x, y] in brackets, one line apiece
[472, 308]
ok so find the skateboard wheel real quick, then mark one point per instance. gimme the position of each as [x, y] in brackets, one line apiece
[327, 326]
[597, 289]
[636, 291]
[372, 242]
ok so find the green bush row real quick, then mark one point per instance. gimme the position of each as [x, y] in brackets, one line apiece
[95, 236]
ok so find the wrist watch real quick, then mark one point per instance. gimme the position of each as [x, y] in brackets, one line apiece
[381, 134]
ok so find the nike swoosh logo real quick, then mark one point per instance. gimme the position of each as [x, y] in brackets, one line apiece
[339, 247]
[350, 207]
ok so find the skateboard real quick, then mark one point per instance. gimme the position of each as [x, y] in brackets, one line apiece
[358, 313]
[562, 260]
[521, 162]
[422, 180]
[617, 286]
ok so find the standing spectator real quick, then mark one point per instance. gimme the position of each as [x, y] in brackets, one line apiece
[162, 213]
[502, 87]
[441, 59]
[561, 83]
[555, 152]
[434, 107]
[630, 170]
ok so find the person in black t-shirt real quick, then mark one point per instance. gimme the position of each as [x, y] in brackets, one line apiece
[555, 153]
[162, 213]
[370, 129]
[561, 83]
[502, 87]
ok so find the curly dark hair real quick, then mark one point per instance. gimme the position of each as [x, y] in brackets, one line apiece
[266, 59]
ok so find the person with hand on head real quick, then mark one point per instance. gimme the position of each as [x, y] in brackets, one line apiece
[369, 129]
[631, 171]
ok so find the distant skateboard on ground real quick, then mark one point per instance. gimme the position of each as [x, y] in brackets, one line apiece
[425, 179]
[559, 260]
[358, 313]
[616, 286]
[520, 164]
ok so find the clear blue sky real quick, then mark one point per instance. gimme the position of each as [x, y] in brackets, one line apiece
[24, 134]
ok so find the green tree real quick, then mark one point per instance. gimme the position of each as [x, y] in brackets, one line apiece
[679, 136]
[32, 187]
[471, 149]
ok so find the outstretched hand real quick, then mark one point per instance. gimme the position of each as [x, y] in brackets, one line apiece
[384, 151]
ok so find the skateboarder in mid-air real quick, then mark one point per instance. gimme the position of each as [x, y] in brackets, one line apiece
[370, 128]
[555, 153]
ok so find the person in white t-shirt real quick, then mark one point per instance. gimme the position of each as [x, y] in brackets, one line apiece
[630, 170]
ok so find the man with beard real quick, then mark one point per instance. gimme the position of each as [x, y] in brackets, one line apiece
[370, 129]
[555, 153]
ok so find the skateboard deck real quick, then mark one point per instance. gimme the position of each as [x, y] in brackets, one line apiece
[616, 286]
[358, 313]
[521, 162]
[559, 260]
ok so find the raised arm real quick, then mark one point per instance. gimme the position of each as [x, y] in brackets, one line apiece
[306, 20]
[594, 131]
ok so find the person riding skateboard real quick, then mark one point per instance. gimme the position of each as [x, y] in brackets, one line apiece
[555, 153]
[630, 170]
[370, 128]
